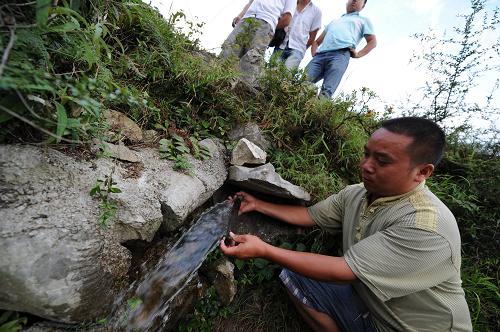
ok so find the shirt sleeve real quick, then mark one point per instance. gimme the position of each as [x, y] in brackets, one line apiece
[328, 213]
[290, 6]
[316, 24]
[368, 28]
[401, 260]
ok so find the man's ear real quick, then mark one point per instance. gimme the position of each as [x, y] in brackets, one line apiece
[425, 171]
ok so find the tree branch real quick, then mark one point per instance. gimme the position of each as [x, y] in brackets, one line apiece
[7, 50]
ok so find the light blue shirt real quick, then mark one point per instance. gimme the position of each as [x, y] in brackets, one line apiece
[347, 31]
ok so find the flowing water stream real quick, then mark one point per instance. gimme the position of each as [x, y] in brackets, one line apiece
[178, 266]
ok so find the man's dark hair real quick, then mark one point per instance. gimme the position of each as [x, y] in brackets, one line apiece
[428, 138]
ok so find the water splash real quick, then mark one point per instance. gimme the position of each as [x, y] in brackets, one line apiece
[178, 266]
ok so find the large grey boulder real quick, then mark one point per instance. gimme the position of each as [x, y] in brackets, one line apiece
[56, 260]
[264, 179]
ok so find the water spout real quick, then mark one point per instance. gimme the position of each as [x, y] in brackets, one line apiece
[179, 265]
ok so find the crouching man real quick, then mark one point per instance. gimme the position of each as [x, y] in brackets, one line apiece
[400, 269]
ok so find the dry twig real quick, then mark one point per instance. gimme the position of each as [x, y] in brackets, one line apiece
[7, 50]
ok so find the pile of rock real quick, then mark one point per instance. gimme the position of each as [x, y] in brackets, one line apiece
[57, 262]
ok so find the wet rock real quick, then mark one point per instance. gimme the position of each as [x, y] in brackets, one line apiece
[252, 132]
[264, 179]
[124, 126]
[224, 282]
[246, 152]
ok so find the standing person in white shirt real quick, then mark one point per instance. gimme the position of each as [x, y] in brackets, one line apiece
[253, 29]
[301, 33]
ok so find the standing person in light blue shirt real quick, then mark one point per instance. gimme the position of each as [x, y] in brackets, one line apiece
[337, 44]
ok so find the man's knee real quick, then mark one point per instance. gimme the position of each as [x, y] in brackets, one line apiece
[317, 320]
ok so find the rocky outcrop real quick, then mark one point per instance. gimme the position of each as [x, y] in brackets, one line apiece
[57, 261]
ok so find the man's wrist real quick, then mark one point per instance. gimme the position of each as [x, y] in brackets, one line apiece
[265, 250]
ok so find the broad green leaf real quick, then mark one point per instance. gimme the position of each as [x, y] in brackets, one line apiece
[260, 263]
[62, 121]
[66, 27]
[42, 11]
[165, 141]
[115, 190]
[178, 138]
[98, 31]
[239, 263]
[95, 190]
[182, 148]
[73, 123]
[68, 11]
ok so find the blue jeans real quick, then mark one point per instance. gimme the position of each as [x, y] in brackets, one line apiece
[291, 57]
[329, 66]
[339, 301]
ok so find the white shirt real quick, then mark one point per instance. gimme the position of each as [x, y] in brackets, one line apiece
[270, 10]
[304, 22]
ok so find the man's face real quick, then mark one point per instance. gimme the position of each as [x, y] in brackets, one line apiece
[386, 168]
[354, 5]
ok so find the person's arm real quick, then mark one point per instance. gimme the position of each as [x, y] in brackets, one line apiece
[315, 44]
[243, 12]
[312, 37]
[284, 20]
[292, 214]
[320, 267]
[371, 43]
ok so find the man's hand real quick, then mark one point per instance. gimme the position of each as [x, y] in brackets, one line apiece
[284, 20]
[235, 21]
[248, 202]
[354, 53]
[244, 246]
[292, 214]
[371, 43]
[314, 49]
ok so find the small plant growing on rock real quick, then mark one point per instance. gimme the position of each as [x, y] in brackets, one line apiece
[11, 322]
[177, 148]
[101, 190]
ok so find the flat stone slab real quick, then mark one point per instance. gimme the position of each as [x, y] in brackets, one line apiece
[264, 179]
